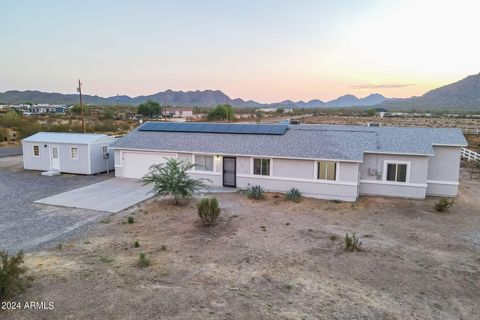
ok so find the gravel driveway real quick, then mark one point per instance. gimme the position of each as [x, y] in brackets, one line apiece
[29, 226]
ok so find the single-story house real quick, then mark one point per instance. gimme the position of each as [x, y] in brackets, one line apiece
[56, 152]
[322, 161]
[178, 112]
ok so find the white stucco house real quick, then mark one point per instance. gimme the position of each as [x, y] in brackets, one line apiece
[56, 152]
[179, 112]
[322, 161]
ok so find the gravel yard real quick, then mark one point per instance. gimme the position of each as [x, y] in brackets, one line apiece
[29, 226]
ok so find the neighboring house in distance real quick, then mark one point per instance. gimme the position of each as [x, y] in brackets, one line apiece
[322, 161]
[80, 153]
[42, 108]
[178, 112]
[266, 110]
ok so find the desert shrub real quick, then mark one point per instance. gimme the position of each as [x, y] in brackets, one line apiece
[443, 204]
[172, 179]
[352, 243]
[143, 260]
[130, 219]
[136, 244]
[293, 195]
[12, 280]
[208, 211]
[255, 192]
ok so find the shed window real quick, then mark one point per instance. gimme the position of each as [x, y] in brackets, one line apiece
[327, 170]
[261, 167]
[204, 163]
[74, 153]
[36, 151]
[397, 172]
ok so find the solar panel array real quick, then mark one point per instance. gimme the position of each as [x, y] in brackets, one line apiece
[273, 129]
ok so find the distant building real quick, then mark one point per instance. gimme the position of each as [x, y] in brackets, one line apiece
[266, 110]
[178, 112]
[287, 110]
[42, 108]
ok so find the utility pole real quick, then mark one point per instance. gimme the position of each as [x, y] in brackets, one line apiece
[79, 89]
[165, 104]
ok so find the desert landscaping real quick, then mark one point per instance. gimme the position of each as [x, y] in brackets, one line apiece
[267, 259]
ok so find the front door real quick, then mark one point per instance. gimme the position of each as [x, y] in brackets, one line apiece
[54, 158]
[229, 172]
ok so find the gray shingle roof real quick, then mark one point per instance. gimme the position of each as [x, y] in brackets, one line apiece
[302, 141]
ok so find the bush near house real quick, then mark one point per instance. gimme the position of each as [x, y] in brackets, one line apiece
[443, 204]
[208, 211]
[293, 195]
[143, 260]
[171, 179]
[352, 243]
[255, 192]
[12, 280]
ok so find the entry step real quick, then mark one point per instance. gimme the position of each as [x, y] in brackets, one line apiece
[51, 173]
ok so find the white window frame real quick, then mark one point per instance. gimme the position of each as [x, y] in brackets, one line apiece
[385, 168]
[204, 155]
[33, 150]
[252, 167]
[315, 170]
[71, 153]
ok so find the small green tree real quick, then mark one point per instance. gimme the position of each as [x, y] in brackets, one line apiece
[370, 112]
[77, 110]
[149, 109]
[221, 112]
[171, 179]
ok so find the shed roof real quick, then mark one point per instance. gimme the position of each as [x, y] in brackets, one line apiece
[347, 143]
[65, 137]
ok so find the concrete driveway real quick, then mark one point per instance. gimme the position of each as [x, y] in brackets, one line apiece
[113, 195]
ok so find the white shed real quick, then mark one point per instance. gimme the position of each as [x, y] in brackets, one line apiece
[56, 152]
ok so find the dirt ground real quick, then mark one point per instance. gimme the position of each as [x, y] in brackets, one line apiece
[269, 259]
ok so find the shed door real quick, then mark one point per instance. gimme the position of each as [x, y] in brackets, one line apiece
[54, 158]
[136, 164]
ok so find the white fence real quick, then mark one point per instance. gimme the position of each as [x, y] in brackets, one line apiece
[470, 155]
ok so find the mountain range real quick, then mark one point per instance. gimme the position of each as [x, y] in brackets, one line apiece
[461, 95]
[205, 98]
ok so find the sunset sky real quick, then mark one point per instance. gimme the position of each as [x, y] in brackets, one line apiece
[262, 50]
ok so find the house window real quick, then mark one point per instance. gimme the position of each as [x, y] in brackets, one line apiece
[204, 163]
[397, 172]
[74, 153]
[327, 170]
[261, 167]
[36, 151]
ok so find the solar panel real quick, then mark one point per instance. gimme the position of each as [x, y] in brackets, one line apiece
[202, 127]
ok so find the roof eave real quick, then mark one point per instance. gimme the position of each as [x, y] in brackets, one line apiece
[237, 155]
[402, 153]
